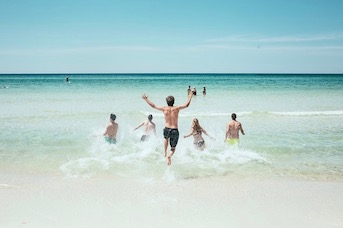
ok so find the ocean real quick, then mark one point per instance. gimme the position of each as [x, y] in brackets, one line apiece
[293, 125]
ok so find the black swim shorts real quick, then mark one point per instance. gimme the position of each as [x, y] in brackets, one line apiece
[173, 134]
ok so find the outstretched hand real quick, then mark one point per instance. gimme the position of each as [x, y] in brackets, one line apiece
[144, 96]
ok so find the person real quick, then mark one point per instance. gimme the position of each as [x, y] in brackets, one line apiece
[204, 91]
[149, 127]
[196, 131]
[232, 130]
[189, 90]
[110, 133]
[194, 91]
[67, 79]
[171, 117]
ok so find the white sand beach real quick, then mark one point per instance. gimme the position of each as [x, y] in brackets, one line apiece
[202, 202]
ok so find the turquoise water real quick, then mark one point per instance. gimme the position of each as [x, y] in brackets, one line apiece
[293, 125]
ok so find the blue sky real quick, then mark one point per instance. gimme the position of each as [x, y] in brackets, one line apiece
[66, 36]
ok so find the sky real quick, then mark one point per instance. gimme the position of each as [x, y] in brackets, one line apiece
[177, 36]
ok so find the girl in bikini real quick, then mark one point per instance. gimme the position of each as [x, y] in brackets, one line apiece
[196, 131]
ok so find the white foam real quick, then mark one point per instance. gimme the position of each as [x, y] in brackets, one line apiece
[248, 113]
[84, 167]
[169, 175]
[146, 160]
[309, 113]
[8, 186]
[199, 114]
[242, 156]
[130, 157]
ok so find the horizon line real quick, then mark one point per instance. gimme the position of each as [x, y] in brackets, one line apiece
[192, 73]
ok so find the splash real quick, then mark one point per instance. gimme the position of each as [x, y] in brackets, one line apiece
[133, 159]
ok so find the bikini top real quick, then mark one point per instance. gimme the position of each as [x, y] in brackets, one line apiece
[197, 132]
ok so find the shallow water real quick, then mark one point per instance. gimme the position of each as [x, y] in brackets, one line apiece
[293, 125]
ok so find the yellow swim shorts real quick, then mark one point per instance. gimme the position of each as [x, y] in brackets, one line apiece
[232, 141]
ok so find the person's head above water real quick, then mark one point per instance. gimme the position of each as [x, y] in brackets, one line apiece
[113, 117]
[150, 117]
[233, 116]
[195, 124]
[170, 100]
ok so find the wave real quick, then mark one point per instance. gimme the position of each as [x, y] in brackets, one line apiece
[130, 158]
[252, 113]
[309, 113]
[85, 167]
[7, 186]
[201, 114]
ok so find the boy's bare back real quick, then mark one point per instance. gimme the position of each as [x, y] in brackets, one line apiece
[234, 128]
[149, 127]
[111, 130]
[171, 116]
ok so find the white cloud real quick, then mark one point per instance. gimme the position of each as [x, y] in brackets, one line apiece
[277, 39]
[289, 48]
[181, 49]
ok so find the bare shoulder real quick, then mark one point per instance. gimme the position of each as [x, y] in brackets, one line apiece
[178, 107]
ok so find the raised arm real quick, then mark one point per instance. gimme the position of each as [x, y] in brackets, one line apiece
[187, 103]
[145, 97]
